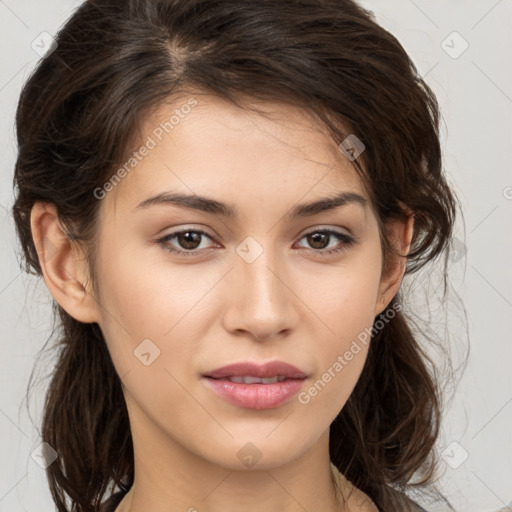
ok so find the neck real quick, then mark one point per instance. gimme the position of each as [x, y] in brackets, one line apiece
[307, 483]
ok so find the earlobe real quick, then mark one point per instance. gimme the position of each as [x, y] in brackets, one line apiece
[63, 266]
[400, 233]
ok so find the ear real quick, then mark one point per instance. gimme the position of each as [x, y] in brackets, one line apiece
[63, 264]
[399, 233]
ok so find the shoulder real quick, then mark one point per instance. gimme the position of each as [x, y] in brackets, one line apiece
[358, 501]
[355, 499]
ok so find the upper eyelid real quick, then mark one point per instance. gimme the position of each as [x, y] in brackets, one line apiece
[320, 228]
[326, 228]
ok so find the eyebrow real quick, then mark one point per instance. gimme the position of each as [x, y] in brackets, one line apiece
[208, 205]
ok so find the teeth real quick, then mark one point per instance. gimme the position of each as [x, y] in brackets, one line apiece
[256, 380]
[252, 380]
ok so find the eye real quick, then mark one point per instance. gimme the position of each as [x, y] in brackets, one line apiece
[321, 240]
[188, 240]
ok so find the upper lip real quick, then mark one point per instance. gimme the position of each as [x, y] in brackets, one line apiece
[270, 369]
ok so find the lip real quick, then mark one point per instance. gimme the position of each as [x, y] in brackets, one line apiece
[269, 369]
[258, 395]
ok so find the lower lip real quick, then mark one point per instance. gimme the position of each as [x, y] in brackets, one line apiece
[255, 396]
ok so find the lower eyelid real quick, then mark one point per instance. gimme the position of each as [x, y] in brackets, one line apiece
[343, 239]
[165, 241]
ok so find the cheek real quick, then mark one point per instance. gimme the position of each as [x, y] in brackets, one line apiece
[345, 296]
[145, 293]
[340, 359]
[143, 297]
[346, 305]
[143, 312]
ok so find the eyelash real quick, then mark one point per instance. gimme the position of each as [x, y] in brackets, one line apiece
[346, 240]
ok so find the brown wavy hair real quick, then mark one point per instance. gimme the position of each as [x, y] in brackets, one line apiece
[117, 60]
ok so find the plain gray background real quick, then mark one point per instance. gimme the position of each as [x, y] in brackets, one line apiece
[474, 88]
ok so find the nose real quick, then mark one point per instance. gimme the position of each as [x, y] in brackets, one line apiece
[260, 300]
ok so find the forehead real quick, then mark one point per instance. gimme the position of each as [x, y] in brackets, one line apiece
[201, 143]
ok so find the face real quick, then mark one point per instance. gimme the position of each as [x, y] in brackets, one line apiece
[248, 274]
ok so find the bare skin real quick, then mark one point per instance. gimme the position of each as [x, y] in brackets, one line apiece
[293, 303]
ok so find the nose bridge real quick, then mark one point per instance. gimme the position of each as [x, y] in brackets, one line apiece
[260, 302]
[260, 282]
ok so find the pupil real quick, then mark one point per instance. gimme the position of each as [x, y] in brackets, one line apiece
[317, 238]
[187, 241]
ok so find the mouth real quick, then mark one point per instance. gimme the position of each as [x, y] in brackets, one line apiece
[253, 386]
[249, 379]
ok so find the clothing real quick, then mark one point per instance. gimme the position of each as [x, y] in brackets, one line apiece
[339, 478]
[113, 502]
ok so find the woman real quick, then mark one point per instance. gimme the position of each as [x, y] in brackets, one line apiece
[223, 199]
